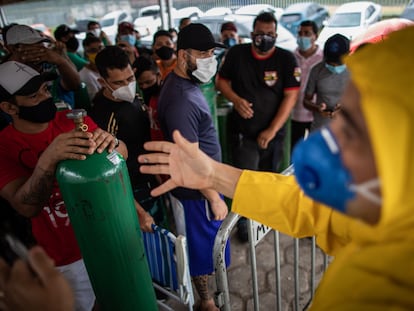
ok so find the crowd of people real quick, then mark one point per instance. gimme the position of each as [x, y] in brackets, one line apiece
[139, 98]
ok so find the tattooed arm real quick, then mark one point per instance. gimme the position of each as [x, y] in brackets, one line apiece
[28, 195]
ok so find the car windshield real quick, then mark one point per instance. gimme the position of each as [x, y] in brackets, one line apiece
[290, 18]
[345, 20]
[107, 22]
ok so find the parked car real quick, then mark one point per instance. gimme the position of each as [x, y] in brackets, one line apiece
[109, 22]
[351, 19]
[256, 9]
[244, 24]
[296, 13]
[218, 11]
[408, 12]
[192, 12]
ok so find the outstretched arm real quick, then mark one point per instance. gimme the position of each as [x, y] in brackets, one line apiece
[188, 167]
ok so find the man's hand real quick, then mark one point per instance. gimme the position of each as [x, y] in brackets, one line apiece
[219, 209]
[187, 165]
[244, 108]
[34, 285]
[145, 219]
[38, 53]
[73, 145]
[265, 137]
[104, 140]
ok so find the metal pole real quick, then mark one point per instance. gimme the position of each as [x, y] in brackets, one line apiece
[253, 265]
[222, 296]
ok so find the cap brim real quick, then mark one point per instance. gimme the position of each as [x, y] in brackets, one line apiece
[31, 41]
[34, 84]
[220, 45]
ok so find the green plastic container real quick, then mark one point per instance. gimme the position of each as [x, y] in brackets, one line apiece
[98, 196]
[210, 93]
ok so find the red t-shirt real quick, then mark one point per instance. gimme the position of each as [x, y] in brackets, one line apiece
[156, 132]
[19, 153]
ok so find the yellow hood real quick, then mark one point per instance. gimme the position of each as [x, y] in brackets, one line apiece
[376, 271]
[384, 74]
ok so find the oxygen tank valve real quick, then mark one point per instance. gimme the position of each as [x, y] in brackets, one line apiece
[77, 116]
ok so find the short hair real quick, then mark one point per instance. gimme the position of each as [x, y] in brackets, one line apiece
[90, 38]
[309, 23]
[111, 57]
[182, 21]
[161, 33]
[143, 63]
[92, 23]
[265, 17]
[172, 29]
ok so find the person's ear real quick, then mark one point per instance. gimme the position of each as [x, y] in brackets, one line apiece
[102, 82]
[9, 108]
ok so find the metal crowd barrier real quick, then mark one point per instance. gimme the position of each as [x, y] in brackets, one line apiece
[257, 233]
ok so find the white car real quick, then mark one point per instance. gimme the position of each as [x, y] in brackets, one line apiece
[350, 20]
[218, 11]
[256, 9]
[192, 12]
[109, 22]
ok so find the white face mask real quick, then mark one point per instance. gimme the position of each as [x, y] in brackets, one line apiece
[126, 93]
[206, 69]
[96, 32]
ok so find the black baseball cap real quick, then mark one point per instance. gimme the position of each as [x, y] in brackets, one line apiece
[198, 37]
[336, 47]
[63, 30]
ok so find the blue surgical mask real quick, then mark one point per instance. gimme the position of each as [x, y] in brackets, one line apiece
[304, 43]
[229, 42]
[131, 39]
[321, 174]
[336, 69]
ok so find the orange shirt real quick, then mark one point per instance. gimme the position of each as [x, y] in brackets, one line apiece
[166, 70]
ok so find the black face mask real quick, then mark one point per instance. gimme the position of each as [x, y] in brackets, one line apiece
[264, 42]
[72, 44]
[43, 112]
[147, 93]
[164, 52]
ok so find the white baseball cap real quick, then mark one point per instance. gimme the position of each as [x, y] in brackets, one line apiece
[20, 79]
[23, 34]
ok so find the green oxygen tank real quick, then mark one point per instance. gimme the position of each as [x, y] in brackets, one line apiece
[98, 196]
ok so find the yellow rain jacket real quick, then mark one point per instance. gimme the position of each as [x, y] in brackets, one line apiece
[374, 265]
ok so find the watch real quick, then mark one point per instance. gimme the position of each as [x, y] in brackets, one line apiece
[116, 142]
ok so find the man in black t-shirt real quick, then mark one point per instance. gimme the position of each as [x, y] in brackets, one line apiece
[118, 110]
[262, 81]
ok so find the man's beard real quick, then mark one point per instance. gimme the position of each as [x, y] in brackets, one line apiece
[190, 68]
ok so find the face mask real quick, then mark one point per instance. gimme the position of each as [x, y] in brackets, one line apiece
[206, 69]
[264, 42]
[336, 69]
[304, 43]
[72, 44]
[131, 39]
[164, 52]
[321, 174]
[126, 93]
[96, 32]
[91, 57]
[147, 93]
[43, 112]
[229, 42]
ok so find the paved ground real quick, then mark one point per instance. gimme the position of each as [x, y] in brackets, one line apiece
[239, 274]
